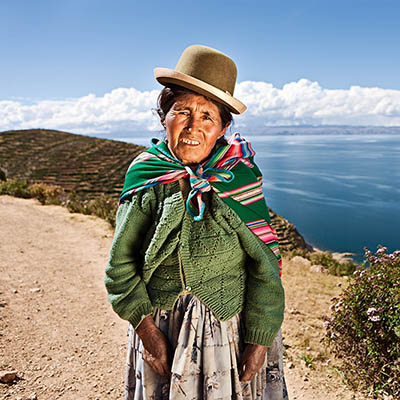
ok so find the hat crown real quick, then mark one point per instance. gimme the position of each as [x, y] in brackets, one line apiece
[205, 71]
[210, 66]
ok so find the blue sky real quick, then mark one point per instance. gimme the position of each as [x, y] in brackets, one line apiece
[58, 50]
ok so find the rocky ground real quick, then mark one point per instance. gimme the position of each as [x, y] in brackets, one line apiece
[61, 338]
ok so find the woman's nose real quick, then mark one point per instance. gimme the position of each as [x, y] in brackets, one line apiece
[194, 124]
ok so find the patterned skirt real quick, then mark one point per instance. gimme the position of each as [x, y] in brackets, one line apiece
[206, 355]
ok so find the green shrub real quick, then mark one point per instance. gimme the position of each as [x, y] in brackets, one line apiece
[325, 258]
[103, 206]
[76, 204]
[334, 266]
[364, 329]
[15, 187]
[297, 252]
[47, 194]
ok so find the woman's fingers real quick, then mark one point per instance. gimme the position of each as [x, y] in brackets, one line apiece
[242, 364]
[247, 371]
[166, 370]
[162, 368]
[156, 345]
[159, 364]
[248, 374]
[252, 360]
[151, 361]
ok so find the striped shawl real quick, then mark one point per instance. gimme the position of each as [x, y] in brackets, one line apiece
[230, 171]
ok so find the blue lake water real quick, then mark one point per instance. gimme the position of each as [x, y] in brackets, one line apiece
[342, 192]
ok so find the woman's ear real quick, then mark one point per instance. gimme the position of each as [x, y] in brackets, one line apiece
[222, 133]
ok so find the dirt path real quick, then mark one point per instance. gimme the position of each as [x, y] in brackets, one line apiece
[58, 331]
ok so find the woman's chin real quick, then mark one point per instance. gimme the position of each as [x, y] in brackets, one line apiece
[190, 162]
[193, 157]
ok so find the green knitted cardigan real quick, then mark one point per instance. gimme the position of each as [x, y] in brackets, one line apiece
[159, 252]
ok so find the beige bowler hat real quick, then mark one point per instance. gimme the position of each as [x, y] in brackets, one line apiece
[205, 71]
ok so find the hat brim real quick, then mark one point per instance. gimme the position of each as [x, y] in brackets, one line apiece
[167, 76]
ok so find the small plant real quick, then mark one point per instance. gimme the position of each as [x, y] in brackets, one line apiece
[47, 194]
[325, 258]
[297, 252]
[308, 360]
[103, 206]
[15, 187]
[76, 204]
[334, 266]
[364, 329]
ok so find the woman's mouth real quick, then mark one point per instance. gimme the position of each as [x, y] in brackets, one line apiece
[190, 142]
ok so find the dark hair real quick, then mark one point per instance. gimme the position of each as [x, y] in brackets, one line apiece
[169, 95]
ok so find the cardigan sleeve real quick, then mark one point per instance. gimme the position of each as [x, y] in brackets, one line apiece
[264, 301]
[126, 290]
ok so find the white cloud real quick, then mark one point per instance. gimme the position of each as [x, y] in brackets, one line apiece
[305, 102]
[127, 110]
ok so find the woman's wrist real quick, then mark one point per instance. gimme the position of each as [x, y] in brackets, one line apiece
[146, 325]
[259, 347]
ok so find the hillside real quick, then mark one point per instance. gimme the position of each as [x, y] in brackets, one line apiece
[90, 166]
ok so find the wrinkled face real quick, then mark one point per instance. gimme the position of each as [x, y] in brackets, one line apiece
[193, 125]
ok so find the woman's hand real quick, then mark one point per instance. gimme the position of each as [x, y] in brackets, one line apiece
[156, 350]
[252, 360]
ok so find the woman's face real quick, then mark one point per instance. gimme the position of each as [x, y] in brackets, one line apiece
[193, 125]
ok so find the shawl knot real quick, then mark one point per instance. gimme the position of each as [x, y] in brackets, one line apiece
[200, 183]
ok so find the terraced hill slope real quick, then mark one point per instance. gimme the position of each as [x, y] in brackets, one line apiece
[90, 166]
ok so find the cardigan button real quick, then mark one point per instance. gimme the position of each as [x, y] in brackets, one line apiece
[182, 245]
[188, 288]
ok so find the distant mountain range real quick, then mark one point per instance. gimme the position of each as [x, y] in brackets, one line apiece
[326, 129]
[145, 136]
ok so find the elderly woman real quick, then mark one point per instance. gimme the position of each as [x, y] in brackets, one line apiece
[194, 266]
